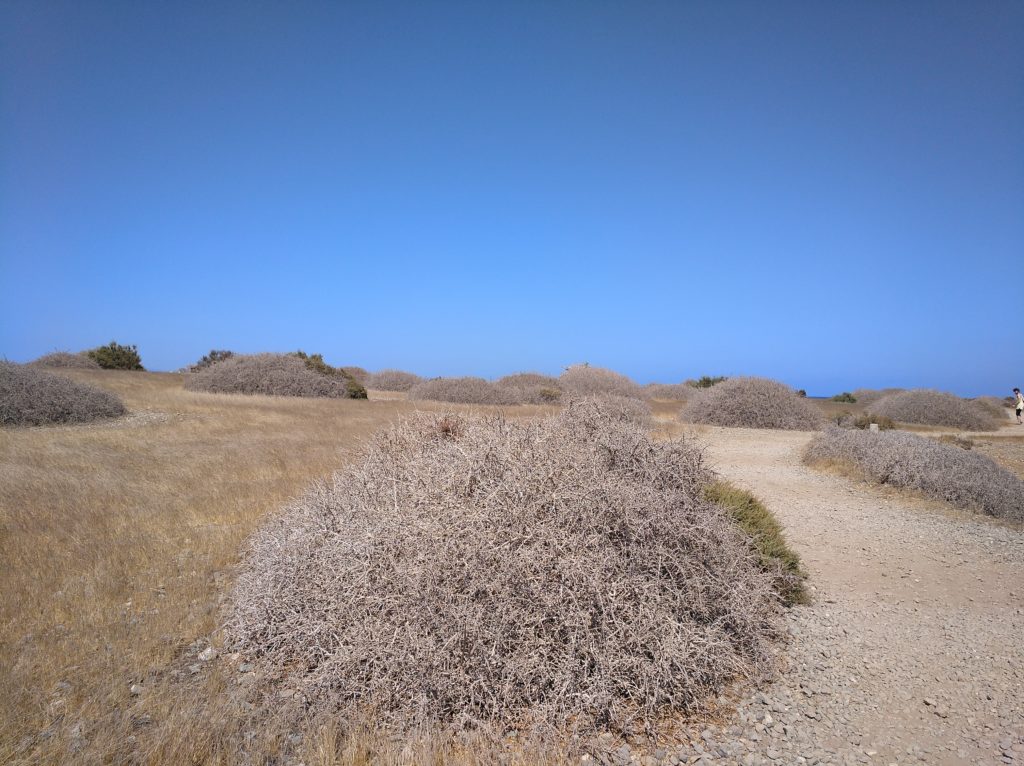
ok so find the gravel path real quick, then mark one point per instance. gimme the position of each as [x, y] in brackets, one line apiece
[913, 650]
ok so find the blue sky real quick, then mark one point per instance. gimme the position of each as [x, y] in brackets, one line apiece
[831, 194]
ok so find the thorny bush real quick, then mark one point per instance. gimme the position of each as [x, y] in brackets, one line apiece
[271, 375]
[30, 397]
[474, 573]
[927, 407]
[752, 403]
[962, 478]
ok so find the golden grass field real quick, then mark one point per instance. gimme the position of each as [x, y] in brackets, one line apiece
[117, 543]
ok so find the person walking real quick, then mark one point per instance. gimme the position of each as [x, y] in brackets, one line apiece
[1019, 404]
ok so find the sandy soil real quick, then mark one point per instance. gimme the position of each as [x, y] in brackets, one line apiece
[914, 648]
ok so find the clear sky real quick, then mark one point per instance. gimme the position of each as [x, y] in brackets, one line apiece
[827, 193]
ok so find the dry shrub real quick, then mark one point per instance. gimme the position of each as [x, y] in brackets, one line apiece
[358, 374]
[66, 359]
[463, 391]
[934, 408]
[392, 380]
[32, 397]
[993, 406]
[963, 478]
[269, 375]
[625, 408]
[531, 387]
[584, 380]
[752, 403]
[866, 396]
[679, 392]
[563, 573]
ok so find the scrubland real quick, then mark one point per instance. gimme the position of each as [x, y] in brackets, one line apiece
[120, 544]
[945, 471]
[116, 543]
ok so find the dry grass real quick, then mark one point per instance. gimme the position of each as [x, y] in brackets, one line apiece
[114, 544]
[117, 542]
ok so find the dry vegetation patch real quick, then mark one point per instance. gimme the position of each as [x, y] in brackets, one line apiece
[935, 408]
[392, 380]
[472, 572]
[866, 396]
[995, 407]
[961, 477]
[273, 375]
[30, 396]
[116, 545]
[584, 380]
[679, 392]
[467, 390]
[531, 387]
[752, 403]
[66, 359]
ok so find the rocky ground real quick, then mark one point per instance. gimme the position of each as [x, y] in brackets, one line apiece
[913, 650]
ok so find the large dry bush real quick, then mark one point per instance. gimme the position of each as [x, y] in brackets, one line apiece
[270, 375]
[476, 572]
[531, 387]
[584, 380]
[392, 380]
[463, 390]
[31, 397]
[993, 407]
[963, 478]
[680, 392]
[752, 403]
[936, 408]
[635, 411]
[66, 359]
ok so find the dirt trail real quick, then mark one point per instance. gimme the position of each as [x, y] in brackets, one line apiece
[914, 648]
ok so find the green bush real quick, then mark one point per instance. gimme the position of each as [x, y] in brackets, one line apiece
[706, 381]
[766, 537]
[846, 397]
[212, 358]
[116, 357]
